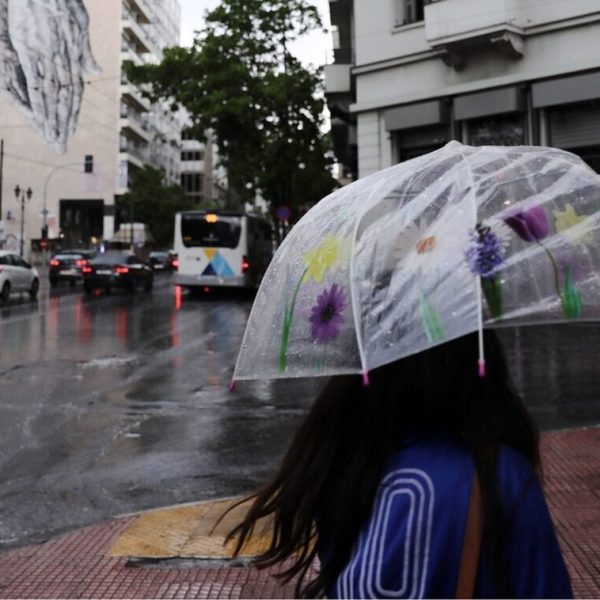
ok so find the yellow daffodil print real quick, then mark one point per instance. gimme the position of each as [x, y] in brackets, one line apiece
[319, 260]
[565, 219]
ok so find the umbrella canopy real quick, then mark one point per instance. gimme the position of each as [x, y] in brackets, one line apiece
[426, 251]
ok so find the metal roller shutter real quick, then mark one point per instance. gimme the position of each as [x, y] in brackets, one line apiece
[575, 126]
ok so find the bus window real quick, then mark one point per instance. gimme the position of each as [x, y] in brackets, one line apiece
[223, 233]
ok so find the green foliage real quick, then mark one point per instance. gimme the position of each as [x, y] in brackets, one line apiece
[265, 109]
[154, 204]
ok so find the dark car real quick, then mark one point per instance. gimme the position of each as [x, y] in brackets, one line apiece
[117, 269]
[67, 265]
[160, 261]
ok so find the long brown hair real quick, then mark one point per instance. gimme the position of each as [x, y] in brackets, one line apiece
[333, 467]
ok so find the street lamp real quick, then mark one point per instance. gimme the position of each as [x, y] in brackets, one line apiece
[21, 195]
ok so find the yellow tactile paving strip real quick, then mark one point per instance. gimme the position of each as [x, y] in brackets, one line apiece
[186, 532]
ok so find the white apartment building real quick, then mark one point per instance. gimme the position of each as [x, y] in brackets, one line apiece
[72, 100]
[202, 178]
[410, 75]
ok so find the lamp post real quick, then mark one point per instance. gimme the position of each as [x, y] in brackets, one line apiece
[21, 195]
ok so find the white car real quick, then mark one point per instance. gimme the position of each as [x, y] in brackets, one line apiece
[17, 275]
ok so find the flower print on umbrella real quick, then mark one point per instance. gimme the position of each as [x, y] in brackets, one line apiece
[327, 314]
[533, 225]
[414, 249]
[485, 257]
[320, 259]
[317, 262]
[416, 244]
[567, 222]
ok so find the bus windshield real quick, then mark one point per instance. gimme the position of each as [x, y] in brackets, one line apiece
[224, 232]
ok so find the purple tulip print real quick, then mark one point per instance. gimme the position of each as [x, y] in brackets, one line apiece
[531, 225]
[327, 314]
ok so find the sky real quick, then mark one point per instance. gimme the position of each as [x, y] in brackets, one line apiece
[315, 48]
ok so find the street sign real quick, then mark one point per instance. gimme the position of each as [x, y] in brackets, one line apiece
[283, 213]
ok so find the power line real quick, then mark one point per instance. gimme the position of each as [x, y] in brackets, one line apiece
[36, 162]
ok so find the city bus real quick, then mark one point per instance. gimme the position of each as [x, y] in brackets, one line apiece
[221, 249]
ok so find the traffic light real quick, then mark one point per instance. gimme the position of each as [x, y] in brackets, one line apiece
[88, 166]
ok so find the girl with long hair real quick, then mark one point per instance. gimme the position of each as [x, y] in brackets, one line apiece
[377, 484]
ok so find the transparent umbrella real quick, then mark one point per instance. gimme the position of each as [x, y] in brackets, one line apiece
[426, 251]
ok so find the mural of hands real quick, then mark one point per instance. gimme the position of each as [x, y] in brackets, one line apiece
[44, 54]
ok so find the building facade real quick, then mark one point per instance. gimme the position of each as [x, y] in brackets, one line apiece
[70, 99]
[202, 179]
[414, 74]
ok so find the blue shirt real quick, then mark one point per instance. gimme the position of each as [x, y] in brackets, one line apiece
[412, 543]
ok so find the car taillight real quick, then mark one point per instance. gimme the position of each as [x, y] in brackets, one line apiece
[54, 263]
[87, 269]
[121, 270]
[175, 264]
[245, 264]
[81, 262]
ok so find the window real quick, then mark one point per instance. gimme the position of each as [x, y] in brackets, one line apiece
[506, 130]
[188, 134]
[409, 11]
[192, 155]
[192, 183]
[224, 233]
[335, 35]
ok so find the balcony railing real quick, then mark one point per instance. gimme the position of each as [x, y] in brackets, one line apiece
[133, 115]
[144, 14]
[456, 25]
[138, 151]
[138, 35]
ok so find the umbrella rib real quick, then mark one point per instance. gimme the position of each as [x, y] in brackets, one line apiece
[481, 359]
[354, 300]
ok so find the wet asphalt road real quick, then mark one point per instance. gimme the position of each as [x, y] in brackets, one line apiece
[114, 404]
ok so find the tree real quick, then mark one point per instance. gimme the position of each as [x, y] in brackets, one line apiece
[240, 80]
[154, 203]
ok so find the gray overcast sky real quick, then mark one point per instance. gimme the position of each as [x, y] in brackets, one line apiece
[316, 48]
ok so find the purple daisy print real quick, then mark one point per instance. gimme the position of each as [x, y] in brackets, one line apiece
[327, 314]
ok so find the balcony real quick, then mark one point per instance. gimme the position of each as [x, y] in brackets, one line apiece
[459, 26]
[134, 153]
[136, 34]
[134, 126]
[337, 79]
[144, 14]
[131, 95]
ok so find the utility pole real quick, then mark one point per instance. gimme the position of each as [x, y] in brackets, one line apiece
[1, 172]
[2, 232]
[21, 195]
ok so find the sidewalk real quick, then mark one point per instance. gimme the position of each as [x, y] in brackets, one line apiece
[154, 555]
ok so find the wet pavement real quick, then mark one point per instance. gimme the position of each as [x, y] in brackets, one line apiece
[115, 404]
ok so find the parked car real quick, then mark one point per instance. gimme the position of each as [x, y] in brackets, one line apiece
[67, 265]
[117, 269]
[160, 261]
[17, 275]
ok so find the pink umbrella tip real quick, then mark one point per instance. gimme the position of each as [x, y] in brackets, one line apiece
[366, 380]
[481, 363]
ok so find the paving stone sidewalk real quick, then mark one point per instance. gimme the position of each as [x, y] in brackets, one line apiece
[79, 564]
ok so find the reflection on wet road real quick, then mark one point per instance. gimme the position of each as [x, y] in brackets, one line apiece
[113, 404]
